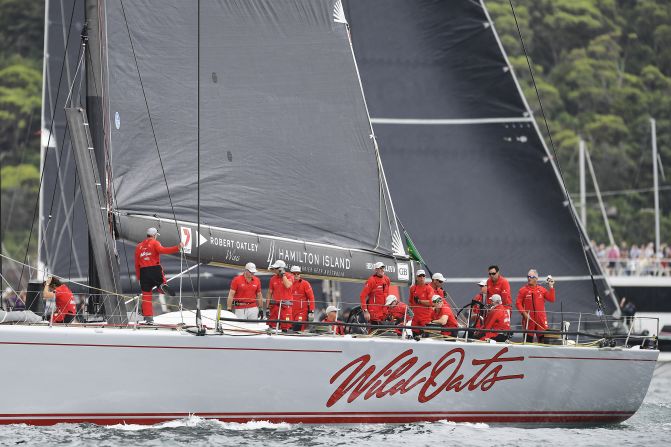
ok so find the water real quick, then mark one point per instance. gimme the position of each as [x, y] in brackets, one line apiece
[650, 426]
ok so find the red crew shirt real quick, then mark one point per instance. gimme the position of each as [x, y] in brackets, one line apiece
[445, 310]
[500, 287]
[498, 318]
[245, 292]
[65, 303]
[148, 251]
[280, 291]
[374, 295]
[303, 296]
[336, 328]
[400, 312]
[422, 313]
[532, 299]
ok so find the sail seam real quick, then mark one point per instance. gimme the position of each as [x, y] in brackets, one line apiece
[451, 121]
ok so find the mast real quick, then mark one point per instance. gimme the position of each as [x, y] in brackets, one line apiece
[655, 180]
[102, 243]
[583, 201]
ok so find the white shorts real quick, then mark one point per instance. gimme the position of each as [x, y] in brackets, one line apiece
[249, 313]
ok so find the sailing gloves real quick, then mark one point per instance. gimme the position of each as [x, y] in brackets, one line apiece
[311, 316]
[260, 317]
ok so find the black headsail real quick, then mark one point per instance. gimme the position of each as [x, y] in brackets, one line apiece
[289, 164]
[468, 169]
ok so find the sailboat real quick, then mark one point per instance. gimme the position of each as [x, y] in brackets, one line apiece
[241, 129]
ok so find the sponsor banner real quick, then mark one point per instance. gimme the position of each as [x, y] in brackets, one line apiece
[231, 248]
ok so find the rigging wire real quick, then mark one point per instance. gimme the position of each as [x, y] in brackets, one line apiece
[153, 131]
[583, 239]
[51, 128]
[72, 224]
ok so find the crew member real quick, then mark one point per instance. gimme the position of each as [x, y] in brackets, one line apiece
[397, 312]
[374, 294]
[531, 304]
[65, 310]
[304, 299]
[149, 271]
[498, 285]
[332, 317]
[420, 300]
[279, 299]
[443, 315]
[437, 281]
[479, 305]
[245, 299]
[498, 319]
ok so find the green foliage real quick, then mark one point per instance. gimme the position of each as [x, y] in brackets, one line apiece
[603, 68]
[21, 176]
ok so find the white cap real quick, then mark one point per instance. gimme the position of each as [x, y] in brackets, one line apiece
[295, 269]
[390, 299]
[436, 298]
[483, 282]
[439, 277]
[420, 272]
[151, 231]
[332, 309]
[250, 267]
[378, 265]
[496, 298]
[279, 264]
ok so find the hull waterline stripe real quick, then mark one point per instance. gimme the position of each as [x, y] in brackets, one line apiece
[201, 348]
[448, 121]
[340, 418]
[318, 413]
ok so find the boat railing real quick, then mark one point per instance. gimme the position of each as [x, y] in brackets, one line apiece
[564, 328]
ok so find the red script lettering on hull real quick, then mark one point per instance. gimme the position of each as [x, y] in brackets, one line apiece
[404, 373]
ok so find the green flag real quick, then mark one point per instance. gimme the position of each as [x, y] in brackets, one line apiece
[412, 250]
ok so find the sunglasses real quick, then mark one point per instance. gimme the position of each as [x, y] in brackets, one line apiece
[492, 273]
[532, 277]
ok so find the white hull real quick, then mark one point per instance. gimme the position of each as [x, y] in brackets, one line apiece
[111, 375]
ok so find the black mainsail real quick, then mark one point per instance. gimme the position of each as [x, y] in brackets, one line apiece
[470, 174]
[289, 164]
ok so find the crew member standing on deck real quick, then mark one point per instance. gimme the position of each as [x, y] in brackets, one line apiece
[149, 271]
[374, 295]
[531, 304]
[65, 302]
[498, 285]
[279, 299]
[437, 281]
[304, 299]
[420, 300]
[245, 299]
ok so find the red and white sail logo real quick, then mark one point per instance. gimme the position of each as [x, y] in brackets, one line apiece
[405, 373]
[186, 239]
